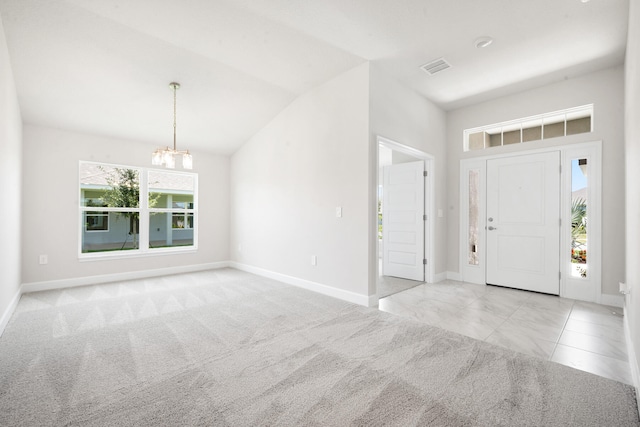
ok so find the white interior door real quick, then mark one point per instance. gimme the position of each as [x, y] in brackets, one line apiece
[523, 222]
[402, 221]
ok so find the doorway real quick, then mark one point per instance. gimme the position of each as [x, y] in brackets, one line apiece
[404, 191]
[518, 225]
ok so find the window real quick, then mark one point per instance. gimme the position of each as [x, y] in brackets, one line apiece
[579, 204]
[171, 201]
[135, 210]
[551, 125]
[96, 221]
[474, 184]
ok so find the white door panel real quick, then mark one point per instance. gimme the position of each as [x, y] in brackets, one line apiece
[402, 220]
[523, 229]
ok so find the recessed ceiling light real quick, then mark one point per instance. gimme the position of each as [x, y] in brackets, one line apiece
[483, 42]
[584, 1]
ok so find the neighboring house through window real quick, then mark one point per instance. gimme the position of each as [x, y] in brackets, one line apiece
[136, 210]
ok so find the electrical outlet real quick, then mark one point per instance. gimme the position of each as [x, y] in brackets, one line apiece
[314, 260]
[339, 212]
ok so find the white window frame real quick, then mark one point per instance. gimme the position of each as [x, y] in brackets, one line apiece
[516, 124]
[144, 213]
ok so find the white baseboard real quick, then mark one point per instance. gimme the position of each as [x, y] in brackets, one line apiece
[115, 277]
[454, 275]
[439, 277]
[365, 300]
[612, 300]
[633, 360]
[4, 320]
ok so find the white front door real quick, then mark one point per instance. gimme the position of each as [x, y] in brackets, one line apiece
[523, 222]
[402, 221]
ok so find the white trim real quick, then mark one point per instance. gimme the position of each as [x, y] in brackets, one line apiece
[452, 275]
[429, 166]
[439, 277]
[612, 300]
[107, 278]
[633, 361]
[352, 297]
[6, 316]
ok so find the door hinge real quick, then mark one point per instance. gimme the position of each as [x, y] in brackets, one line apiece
[560, 168]
[560, 222]
[424, 217]
[425, 173]
[560, 275]
[424, 261]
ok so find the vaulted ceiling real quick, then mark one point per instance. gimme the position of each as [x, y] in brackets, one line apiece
[104, 66]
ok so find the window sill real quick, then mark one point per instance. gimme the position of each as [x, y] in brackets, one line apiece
[102, 256]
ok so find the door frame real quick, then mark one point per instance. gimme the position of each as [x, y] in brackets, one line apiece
[589, 289]
[429, 227]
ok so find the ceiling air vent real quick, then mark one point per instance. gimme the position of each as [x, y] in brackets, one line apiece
[436, 66]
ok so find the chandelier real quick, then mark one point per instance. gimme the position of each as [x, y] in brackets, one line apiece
[167, 156]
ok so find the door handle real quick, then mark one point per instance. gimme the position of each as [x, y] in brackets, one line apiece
[491, 228]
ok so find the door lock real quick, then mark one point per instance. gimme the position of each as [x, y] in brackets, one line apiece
[491, 228]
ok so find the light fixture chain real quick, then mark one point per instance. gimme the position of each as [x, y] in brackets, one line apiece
[174, 116]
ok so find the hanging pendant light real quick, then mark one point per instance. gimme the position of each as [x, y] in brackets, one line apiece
[167, 156]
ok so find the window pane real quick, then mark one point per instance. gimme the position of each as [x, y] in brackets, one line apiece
[494, 137]
[553, 127]
[581, 125]
[170, 229]
[579, 203]
[121, 233]
[476, 141]
[511, 134]
[108, 186]
[532, 130]
[171, 190]
[474, 183]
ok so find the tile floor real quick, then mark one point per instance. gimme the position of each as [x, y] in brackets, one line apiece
[582, 335]
[388, 285]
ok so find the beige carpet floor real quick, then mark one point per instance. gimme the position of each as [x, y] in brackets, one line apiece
[227, 348]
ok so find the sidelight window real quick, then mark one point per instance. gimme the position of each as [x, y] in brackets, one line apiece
[579, 209]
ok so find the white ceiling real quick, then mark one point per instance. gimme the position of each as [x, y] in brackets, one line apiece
[104, 66]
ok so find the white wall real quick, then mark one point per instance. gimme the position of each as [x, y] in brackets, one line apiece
[288, 179]
[50, 205]
[605, 89]
[404, 116]
[632, 155]
[10, 184]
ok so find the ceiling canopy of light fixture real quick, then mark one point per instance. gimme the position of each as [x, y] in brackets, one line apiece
[167, 156]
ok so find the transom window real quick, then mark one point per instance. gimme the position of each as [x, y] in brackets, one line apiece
[128, 210]
[534, 128]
